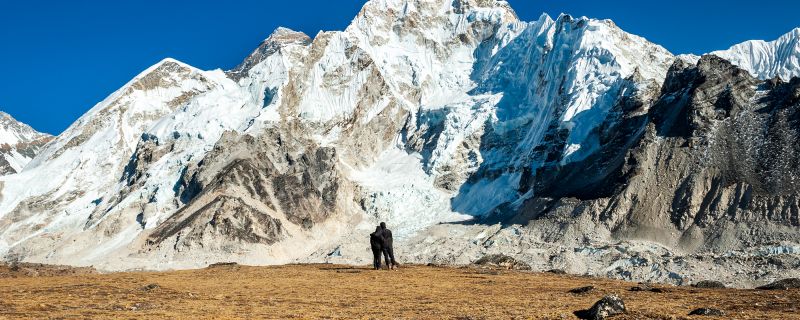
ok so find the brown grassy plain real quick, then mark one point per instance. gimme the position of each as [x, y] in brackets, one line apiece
[347, 292]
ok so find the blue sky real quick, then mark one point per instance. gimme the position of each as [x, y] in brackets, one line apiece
[59, 58]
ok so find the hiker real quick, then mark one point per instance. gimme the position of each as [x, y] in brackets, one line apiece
[388, 247]
[376, 242]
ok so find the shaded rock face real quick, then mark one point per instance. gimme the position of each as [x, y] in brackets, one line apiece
[148, 151]
[714, 151]
[248, 188]
[596, 176]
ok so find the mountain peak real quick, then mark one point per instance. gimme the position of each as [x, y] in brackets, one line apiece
[767, 59]
[169, 60]
[564, 17]
[380, 9]
[791, 37]
[166, 63]
[19, 143]
[544, 18]
[158, 75]
[285, 35]
[280, 38]
[21, 131]
[794, 33]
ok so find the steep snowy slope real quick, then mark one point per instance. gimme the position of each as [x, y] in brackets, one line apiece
[74, 181]
[486, 89]
[19, 143]
[766, 60]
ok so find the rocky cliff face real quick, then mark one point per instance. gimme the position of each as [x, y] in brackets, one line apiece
[19, 143]
[707, 168]
[565, 142]
[253, 191]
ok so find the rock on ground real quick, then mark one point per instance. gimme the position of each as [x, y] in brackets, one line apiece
[502, 261]
[707, 312]
[582, 290]
[785, 284]
[709, 284]
[608, 306]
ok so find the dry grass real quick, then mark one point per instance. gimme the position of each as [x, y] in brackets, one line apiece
[344, 292]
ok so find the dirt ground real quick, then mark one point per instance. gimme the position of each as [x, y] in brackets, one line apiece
[346, 292]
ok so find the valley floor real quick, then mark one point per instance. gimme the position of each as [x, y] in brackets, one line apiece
[347, 292]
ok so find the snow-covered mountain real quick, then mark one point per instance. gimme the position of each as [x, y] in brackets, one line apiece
[442, 118]
[764, 59]
[19, 143]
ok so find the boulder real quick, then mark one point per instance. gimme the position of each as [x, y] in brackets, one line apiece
[608, 306]
[150, 287]
[582, 290]
[641, 287]
[785, 284]
[502, 261]
[647, 287]
[223, 265]
[709, 284]
[707, 312]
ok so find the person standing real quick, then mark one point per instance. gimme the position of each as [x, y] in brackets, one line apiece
[376, 243]
[388, 247]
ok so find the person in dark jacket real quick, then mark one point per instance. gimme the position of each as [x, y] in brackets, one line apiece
[376, 242]
[388, 247]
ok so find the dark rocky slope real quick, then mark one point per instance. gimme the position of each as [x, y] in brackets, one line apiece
[712, 165]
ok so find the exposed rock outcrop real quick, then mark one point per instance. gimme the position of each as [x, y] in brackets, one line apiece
[710, 164]
[19, 144]
[249, 188]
